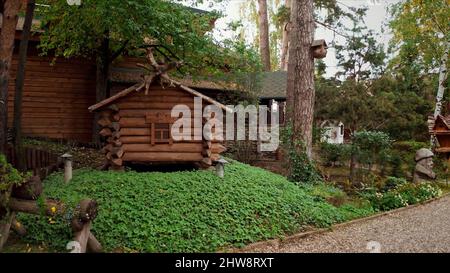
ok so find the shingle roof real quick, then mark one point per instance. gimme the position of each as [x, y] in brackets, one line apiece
[273, 85]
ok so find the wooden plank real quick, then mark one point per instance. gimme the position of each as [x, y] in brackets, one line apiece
[165, 98]
[140, 122]
[152, 105]
[147, 140]
[175, 147]
[124, 93]
[162, 156]
[136, 131]
[82, 237]
[147, 132]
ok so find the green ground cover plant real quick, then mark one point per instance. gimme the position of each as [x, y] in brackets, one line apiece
[192, 211]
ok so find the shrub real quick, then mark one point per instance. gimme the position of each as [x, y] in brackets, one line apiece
[402, 195]
[393, 183]
[371, 147]
[301, 168]
[332, 153]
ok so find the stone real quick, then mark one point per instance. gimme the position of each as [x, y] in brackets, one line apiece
[424, 166]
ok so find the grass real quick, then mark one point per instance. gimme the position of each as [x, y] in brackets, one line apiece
[189, 211]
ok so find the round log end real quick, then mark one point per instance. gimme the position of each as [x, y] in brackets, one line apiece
[30, 190]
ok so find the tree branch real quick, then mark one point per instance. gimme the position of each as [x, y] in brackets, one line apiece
[119, 51]
[332, 29]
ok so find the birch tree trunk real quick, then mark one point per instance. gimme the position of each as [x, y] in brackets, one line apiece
[300, 86]
[7, 35]
[285, 39]
[264, 34]
[442, 79]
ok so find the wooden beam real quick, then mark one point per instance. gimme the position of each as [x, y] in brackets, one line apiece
[18, 227]
[93, 245]
[162, 156]
[51, 207]
[106, 132]
[198, 94]
[121, 94]
[5, 226]
[82, 237]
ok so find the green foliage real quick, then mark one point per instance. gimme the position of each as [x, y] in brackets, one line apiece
[332, 153]
[406, 151]
[8, 175]
[401, 194]
[187, 211]
[361, 57]
[99, 28]
[301, 168]
[421, 33]
[392, 104]
[392, 183]
[371, 147]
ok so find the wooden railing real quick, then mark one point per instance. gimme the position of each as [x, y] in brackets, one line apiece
[39, 162]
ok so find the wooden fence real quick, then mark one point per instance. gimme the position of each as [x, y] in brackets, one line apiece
[39, 162]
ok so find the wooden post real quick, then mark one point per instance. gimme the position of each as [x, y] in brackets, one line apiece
[67, 167]
[5, 227]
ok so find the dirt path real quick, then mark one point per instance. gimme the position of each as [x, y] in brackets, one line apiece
[425, 228]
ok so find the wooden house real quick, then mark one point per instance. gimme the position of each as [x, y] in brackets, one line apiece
[439, 127]
[57, 91]
[137, 124]
[334, 132]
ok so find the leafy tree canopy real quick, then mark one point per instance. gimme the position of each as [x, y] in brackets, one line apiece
[82, 31]
[421, 33]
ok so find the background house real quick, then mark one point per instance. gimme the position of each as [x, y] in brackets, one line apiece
[333, 132]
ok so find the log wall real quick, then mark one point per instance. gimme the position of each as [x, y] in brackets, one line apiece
[56, 97]
[131, 139]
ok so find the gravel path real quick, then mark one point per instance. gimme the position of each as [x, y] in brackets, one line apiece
[425, 228]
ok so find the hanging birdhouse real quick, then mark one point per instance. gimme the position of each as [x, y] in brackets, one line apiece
[319, 48]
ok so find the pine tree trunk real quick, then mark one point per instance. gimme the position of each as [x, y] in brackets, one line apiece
[7, 35]
[264, 35]
[300, 86]
[285, 40]
[17, 122]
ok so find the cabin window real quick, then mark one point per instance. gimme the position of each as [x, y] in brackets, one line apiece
[341, 129]
[162, 132]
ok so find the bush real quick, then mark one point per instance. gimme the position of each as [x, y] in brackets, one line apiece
[371, 147]
[301, 168]
[406, 150]
[332, 153]
[8, 175]
[393, 183]
[402, 195]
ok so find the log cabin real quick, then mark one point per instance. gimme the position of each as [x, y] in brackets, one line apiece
[137, 125]
[439, 128]
[57, 91]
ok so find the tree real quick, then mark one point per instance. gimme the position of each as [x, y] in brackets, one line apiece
[361, 57]
[7, 35]
[422, 36]
[103, 30]
[300, 86]
[264, 34]
[17, 121]
[284, 13]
